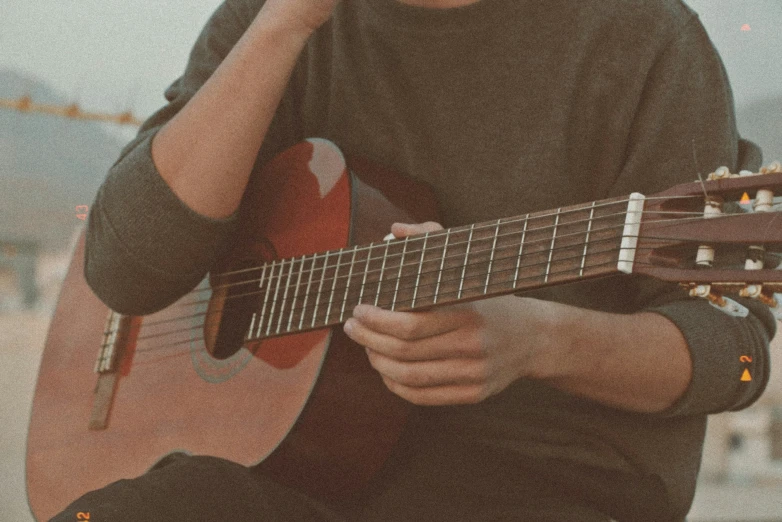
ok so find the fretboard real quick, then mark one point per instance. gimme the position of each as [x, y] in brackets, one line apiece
[453, 265]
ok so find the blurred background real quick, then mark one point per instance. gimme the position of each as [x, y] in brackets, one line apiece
[83, 73]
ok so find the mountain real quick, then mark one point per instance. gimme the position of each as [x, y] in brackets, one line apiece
[48, 166]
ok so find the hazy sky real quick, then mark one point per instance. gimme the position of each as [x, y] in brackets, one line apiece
[108, 54]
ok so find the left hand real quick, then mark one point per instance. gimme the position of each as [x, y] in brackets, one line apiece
[457, 354]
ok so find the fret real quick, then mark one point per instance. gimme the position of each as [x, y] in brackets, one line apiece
[399, 275]
[252, 325]
[263, 275]
[265, 301]
[382, 269]
[285, 296]
[274, 299]
[551, 247]
[296, 293]
[491, 257]
[420, 266]
[521, 248]
[333, 286]
[586, 240]
[366, 271]
[442, 265]
[320, 287]
[260, 285]
[347, 285]
[466, 255]
[307, 293]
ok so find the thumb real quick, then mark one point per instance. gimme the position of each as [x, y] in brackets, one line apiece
[410, 229]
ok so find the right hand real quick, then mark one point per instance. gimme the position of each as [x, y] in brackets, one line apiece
[304, 16]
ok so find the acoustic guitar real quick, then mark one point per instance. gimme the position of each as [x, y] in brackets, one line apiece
[252, 365]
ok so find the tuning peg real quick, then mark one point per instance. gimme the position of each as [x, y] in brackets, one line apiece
[773, 168]
[753, 291]
[764, 200]
[721, 173]
[755, 257]
[705, 255]
[772, 300]
[720, 302]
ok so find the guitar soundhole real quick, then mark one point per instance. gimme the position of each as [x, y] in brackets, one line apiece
[237, 311]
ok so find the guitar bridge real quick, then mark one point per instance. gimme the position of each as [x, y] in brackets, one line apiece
[118, 333]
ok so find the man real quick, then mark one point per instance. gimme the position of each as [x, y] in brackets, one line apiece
[586, 402]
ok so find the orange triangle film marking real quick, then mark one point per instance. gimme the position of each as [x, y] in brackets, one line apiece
[746, 376]
[744, 199]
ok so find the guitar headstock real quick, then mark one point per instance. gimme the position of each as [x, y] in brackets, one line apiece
[722, 235]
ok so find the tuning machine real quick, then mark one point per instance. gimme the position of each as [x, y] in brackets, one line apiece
[773, 168]
[717, 300]
[770, 299]
[712, 209]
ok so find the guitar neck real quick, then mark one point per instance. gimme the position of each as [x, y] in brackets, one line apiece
[454, 265]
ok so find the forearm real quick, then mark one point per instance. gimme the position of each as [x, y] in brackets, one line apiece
[638, 362]
[207, 151]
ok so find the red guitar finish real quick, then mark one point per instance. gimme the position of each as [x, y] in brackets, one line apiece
[169, 394]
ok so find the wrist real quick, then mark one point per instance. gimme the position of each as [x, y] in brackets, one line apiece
[566, 349]
[281, 29]
[293, 27]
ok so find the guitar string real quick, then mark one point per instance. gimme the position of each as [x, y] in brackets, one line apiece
[332, 299]
[273, 277]
[313, 258]
[369, 248]
[515, 219]
[558, 272]
[421, 259]
[518, 219]
[412, 276]
[425, 296]
[409, 254]
[147, 353]
[494, 284]
[293, 310]
[511, 221]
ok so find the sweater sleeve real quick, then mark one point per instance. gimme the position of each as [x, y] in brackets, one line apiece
[687, 103]
[144, 247]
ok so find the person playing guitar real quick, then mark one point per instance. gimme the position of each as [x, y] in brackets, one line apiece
[583, 402]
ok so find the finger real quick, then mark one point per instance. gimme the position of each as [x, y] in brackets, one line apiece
[413, 325]
[410, 229]
[429, 374]
[439, 396]
[454, 344]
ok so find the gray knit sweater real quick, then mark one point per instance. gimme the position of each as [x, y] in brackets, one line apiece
[504, 107]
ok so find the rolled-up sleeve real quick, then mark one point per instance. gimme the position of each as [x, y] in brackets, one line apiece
[687, 104]
[144, 247]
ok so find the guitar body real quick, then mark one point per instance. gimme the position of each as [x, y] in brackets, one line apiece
[306, 408]
[253, 366]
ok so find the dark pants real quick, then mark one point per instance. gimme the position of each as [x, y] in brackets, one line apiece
[198, 488]
[429, 484]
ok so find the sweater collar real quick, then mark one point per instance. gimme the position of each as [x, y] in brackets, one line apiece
[396, 15]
